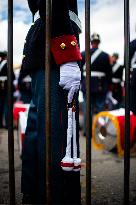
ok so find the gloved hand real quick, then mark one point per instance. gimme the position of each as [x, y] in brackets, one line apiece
[70, 76]
[113, 100]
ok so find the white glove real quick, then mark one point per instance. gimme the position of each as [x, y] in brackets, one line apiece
[113, 100]
[70, 76]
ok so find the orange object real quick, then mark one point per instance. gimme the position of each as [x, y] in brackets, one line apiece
[108, 130]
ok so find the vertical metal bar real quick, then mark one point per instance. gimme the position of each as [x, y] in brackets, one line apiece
[10, 105]
[88, 102]
[47, 100]
[127, 104]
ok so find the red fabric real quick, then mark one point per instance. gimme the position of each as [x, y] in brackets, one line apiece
[16, 111]
[22, 138]
[110, 88]
[70, 53]
[63, 164]
[121, 120]
[77, 167]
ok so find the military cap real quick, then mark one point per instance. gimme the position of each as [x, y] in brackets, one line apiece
[3, 53]
[95, 37]
[116, 55]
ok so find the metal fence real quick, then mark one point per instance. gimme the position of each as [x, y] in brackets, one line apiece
[47, 106]
[10, 107]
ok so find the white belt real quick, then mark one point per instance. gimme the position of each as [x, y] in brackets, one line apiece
[72, 15]
[95, 74]
[3, 78]
[36, 16]
[116, 80]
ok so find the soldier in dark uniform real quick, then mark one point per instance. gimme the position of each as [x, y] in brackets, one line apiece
[117, 74]
[3, 89]
[100, 76]
[65, 80]
[133, 76]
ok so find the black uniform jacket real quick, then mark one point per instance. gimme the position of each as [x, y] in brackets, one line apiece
[133, 78]
[118, 73]
[102, 64]
[64, 35]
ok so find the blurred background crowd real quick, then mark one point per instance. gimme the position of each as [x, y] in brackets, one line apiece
[107, 82]
[107, 64]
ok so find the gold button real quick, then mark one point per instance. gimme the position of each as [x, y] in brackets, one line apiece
[63, 46]
[23, 56]
[73, 43]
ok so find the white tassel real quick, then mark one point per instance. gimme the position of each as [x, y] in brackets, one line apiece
[67, 162]
[77, 161]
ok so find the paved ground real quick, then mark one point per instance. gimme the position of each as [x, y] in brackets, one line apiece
[107, 175]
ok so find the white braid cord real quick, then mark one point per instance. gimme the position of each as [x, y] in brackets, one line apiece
[68, 163]
[67, 160]
[69, 133]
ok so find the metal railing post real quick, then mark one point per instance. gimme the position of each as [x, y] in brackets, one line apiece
[88, 102]
[127, 103]
[47, 100]
[10, 104]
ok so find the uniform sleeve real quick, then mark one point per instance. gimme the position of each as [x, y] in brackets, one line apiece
[65, 49]
[64, 45]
